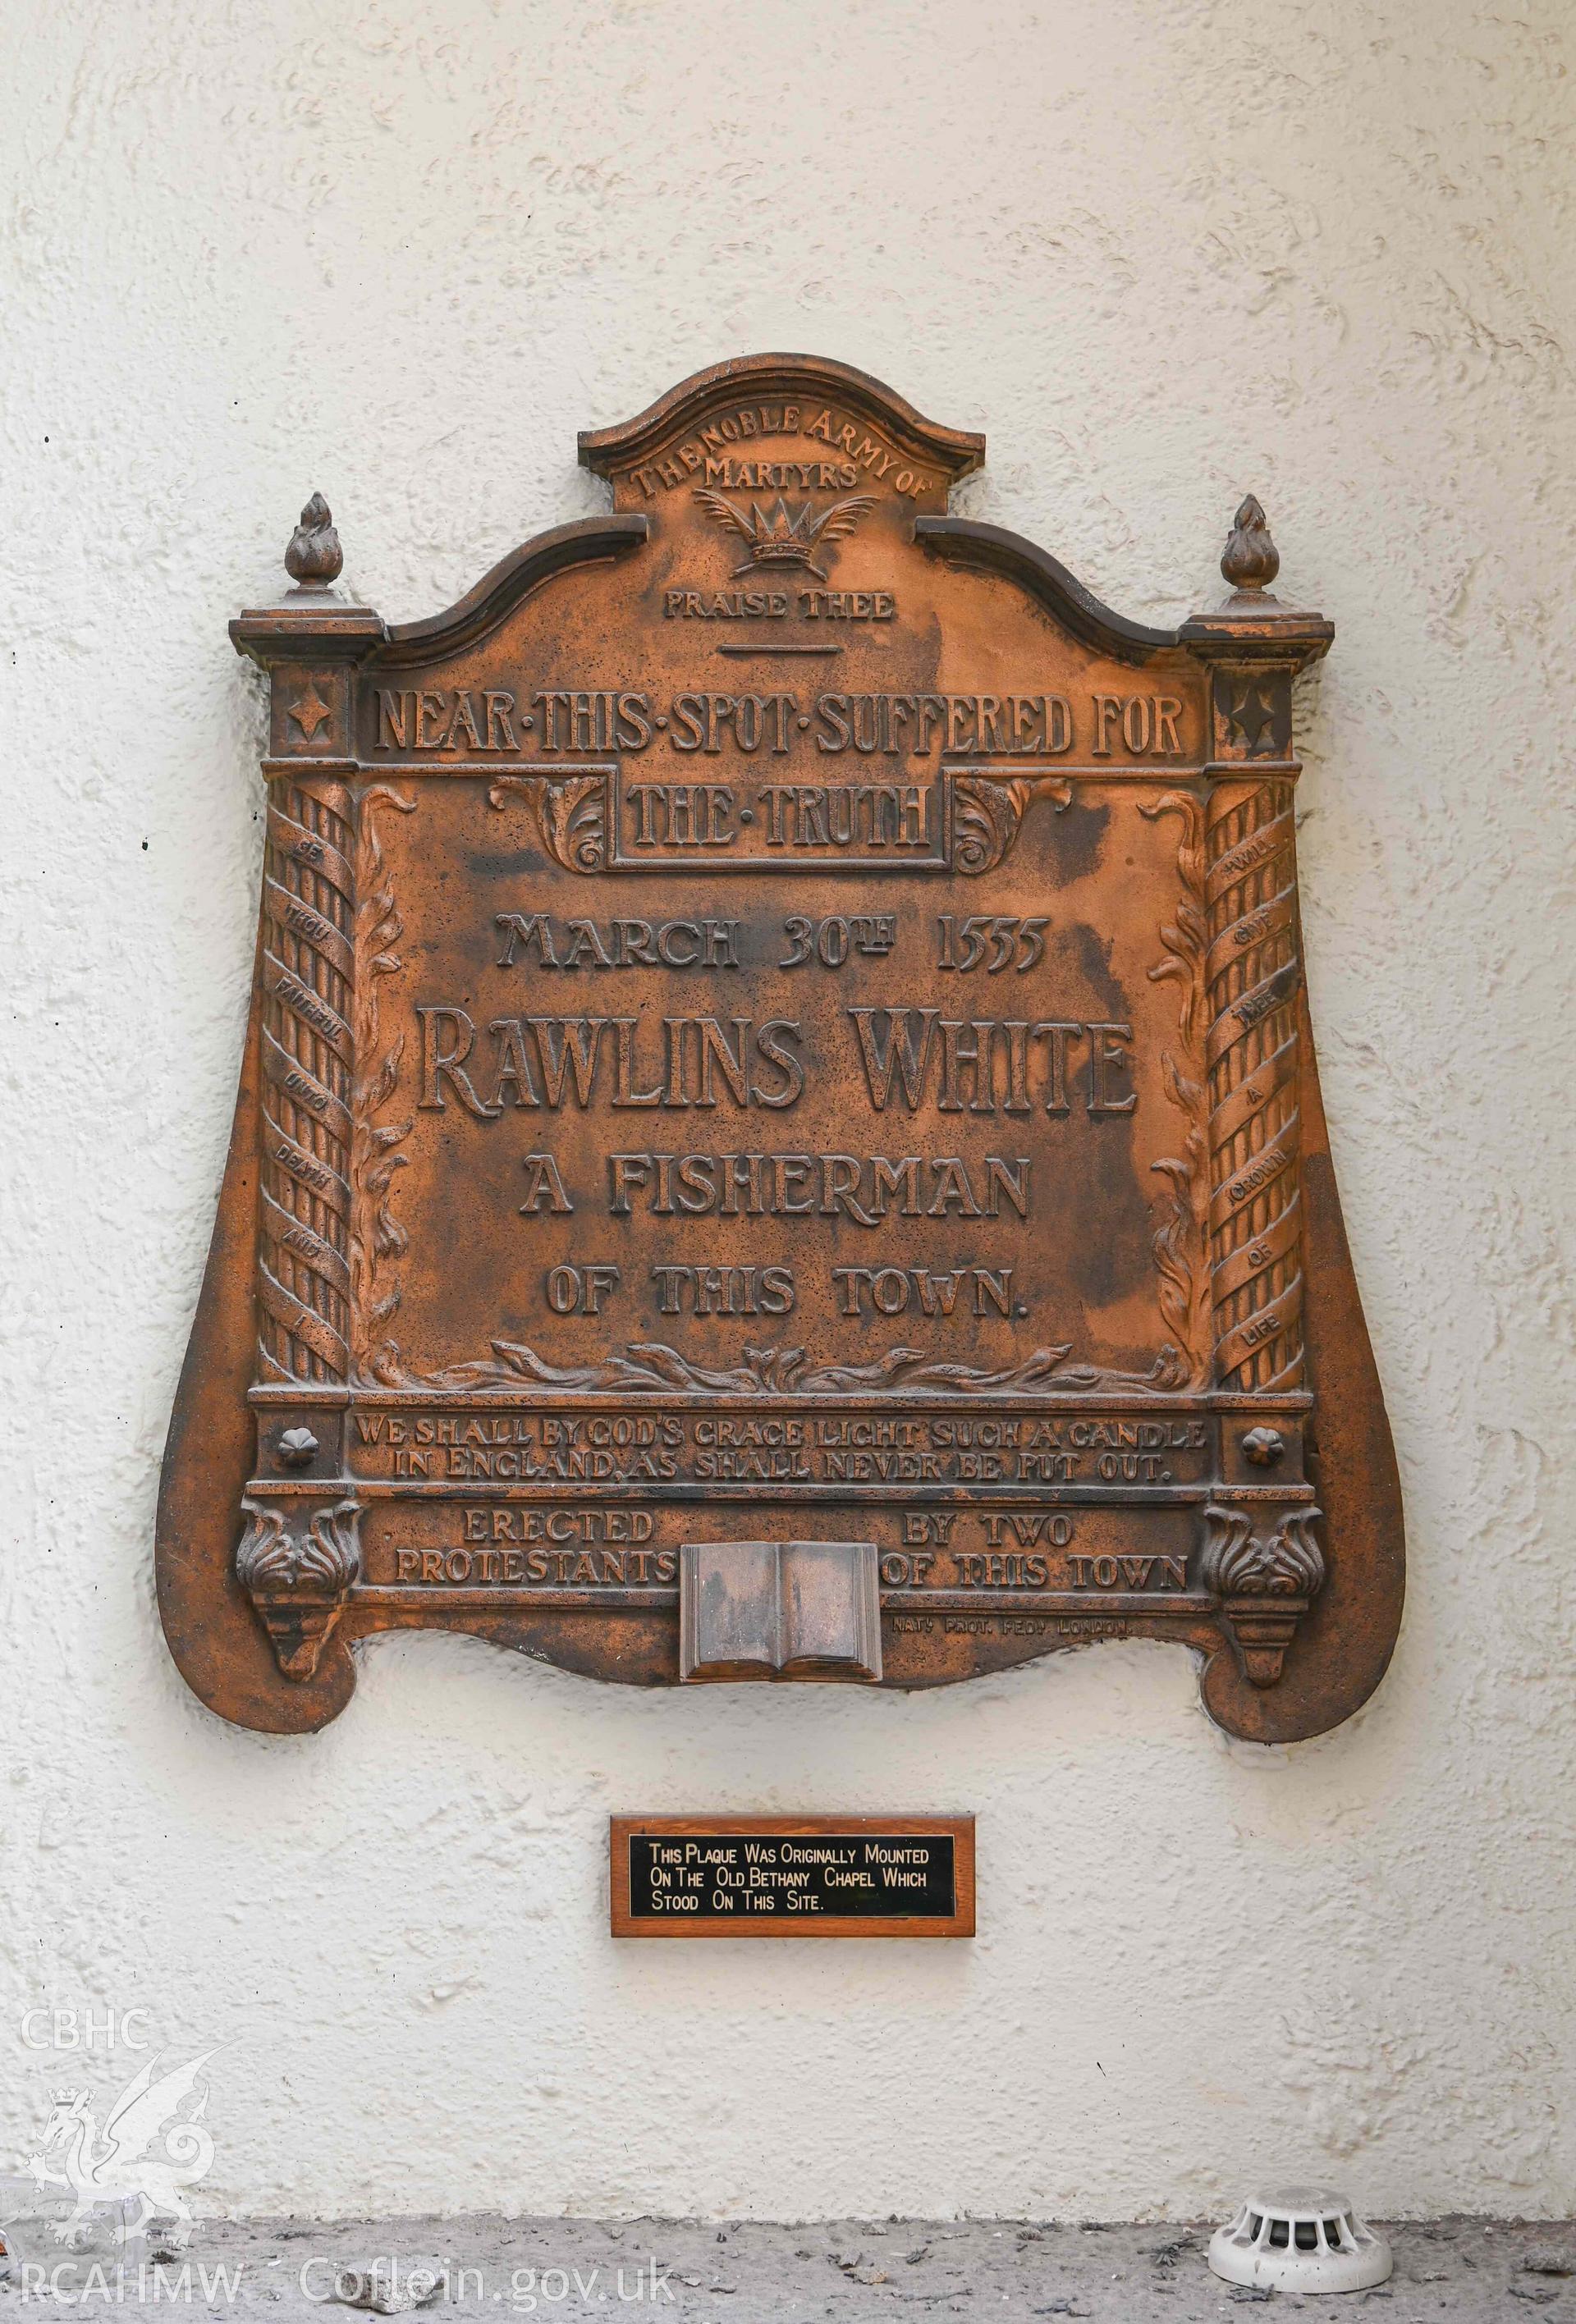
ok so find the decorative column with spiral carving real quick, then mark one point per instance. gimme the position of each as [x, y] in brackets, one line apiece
[298, 1556]
[1251, 973]
[304, 1277]
[1261, 1559]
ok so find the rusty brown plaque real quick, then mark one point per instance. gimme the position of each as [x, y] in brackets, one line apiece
[777, 1876]
[778, 1018]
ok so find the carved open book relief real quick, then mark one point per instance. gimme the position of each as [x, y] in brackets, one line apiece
[780, 1022]
[779, 1609]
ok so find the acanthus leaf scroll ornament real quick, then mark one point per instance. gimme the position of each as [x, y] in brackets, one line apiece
[1240, 1563]
[837, 1048]
[297, 1566]
[1266, 1579]
[987, 814]
[571, 815]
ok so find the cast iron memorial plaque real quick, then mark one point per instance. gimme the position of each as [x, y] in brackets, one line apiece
[792, 1876]
[779, 1019]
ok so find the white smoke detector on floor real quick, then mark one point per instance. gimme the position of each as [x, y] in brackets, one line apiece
[1299, 2239]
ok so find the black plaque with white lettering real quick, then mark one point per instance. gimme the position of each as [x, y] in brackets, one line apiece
[886, 1876]
[774, 1876]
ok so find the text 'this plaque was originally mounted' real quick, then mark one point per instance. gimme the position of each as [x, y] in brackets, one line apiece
[779, 1022]
[792, 1876]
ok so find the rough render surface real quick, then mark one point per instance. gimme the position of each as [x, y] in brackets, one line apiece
[1163, 253]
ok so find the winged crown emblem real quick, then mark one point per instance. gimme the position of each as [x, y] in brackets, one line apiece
[779, 535]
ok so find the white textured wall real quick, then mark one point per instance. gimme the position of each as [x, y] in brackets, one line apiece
[1161, 251]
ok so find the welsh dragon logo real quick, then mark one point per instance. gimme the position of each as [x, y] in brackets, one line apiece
[123, 2161]
[781, 536]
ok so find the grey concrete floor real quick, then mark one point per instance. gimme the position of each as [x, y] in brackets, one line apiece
[555, 2270]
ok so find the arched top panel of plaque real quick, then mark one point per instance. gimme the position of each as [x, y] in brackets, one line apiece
[779, 1135]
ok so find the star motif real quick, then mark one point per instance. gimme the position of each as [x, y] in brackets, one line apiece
[1250, 714]
[310, 711]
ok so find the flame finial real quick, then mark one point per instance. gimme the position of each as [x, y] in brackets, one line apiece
[1251, 559]
[314, 558]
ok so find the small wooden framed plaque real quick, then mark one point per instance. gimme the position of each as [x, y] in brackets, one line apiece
[763, 1875]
